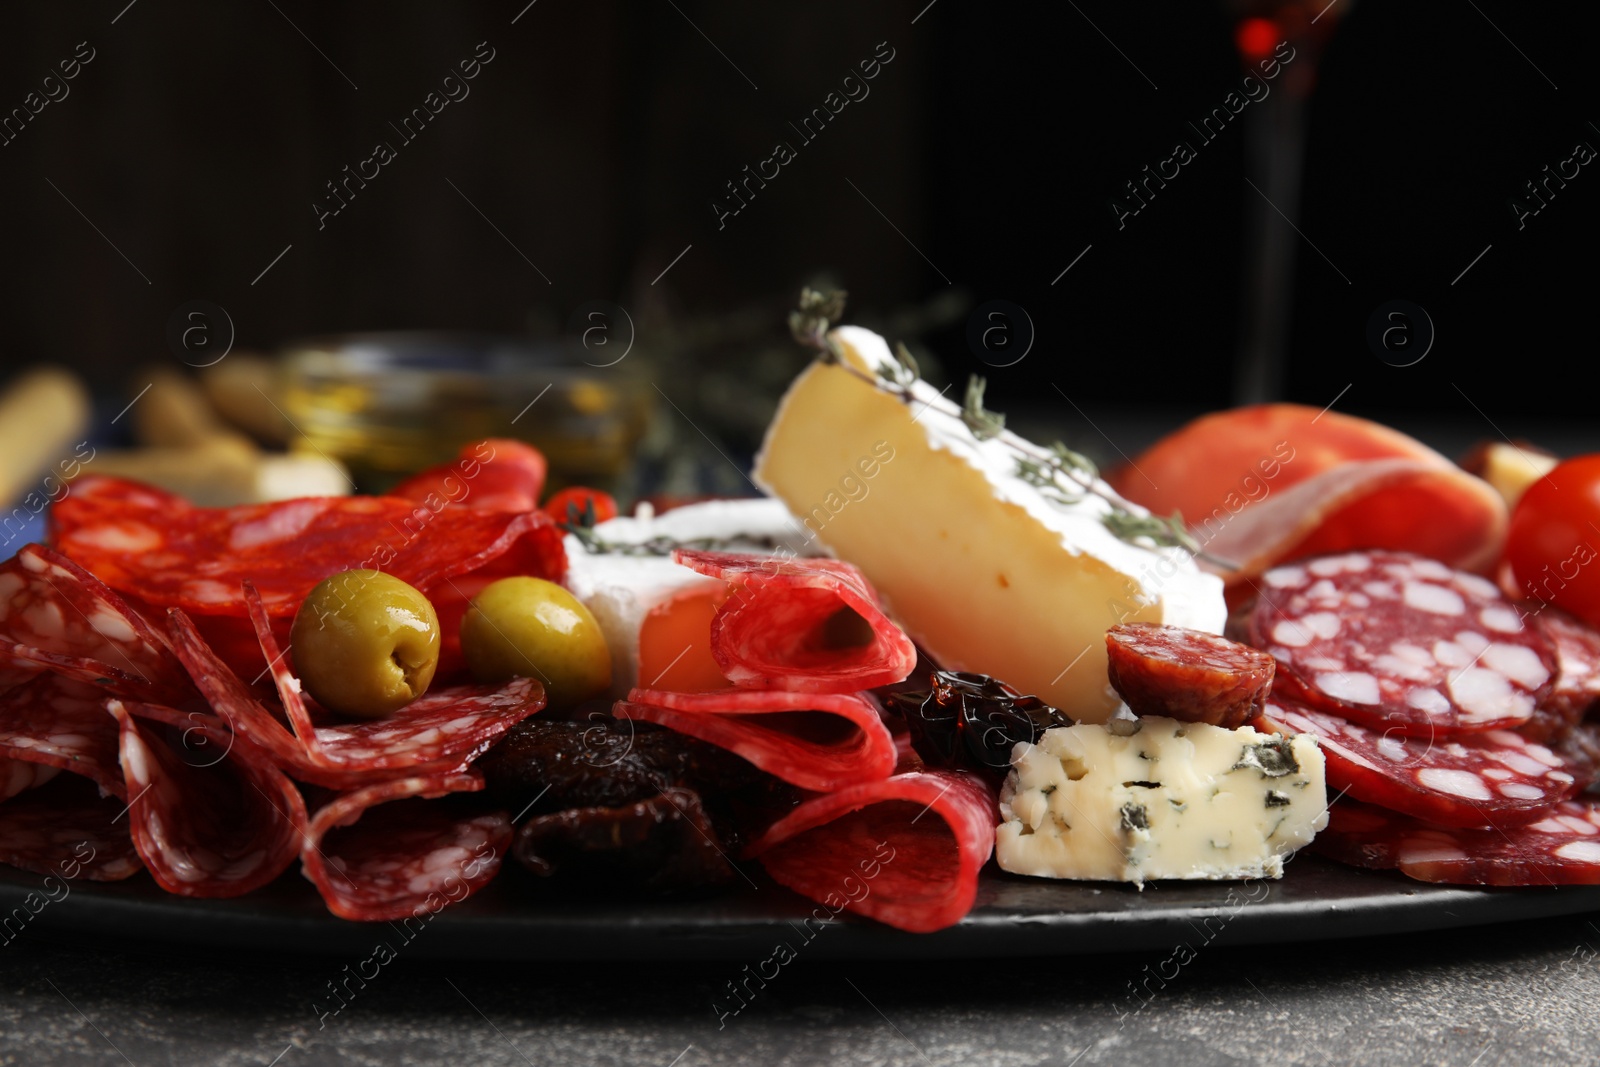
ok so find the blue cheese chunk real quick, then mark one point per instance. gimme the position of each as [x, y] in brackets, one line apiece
[1169, 800]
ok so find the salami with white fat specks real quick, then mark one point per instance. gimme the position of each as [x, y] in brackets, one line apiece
[69, 829]
[1493, 777]
[1401, 643]
[57, 617]
[386, 852]
[209, 820]
[59, 723]
[1187, 674]
[1561, 848]
[1577, 650]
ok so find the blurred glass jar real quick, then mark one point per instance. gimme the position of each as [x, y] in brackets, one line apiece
[389, 404]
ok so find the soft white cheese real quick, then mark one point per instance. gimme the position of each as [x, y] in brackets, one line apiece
[1171, 800]
[980, 567]
[621, 590]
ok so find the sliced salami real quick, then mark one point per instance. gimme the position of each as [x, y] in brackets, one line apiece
[57, 617]
[209, 820]
[1400, 643]
[905, 851]
[1561, 848]
[1577, 650]
[68, 829]
[818, 741]
[387, 852]
[1187, 674]
[811, 625]
[17, 776]
[1494, 777]
[60, 723]
[497, 474]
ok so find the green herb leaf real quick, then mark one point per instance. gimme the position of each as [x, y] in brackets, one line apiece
[983, 423]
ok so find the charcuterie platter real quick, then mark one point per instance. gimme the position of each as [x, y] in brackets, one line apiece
[941, 687]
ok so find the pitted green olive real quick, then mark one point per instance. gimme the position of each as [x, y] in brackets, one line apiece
[531, 627]
[365, 643]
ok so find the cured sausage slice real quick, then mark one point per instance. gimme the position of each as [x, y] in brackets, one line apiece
[1562, 848]
[211, 820]
[1187, 674]
[817, 741]
[55, 616]
[497, 474]
[1496, 777]
[60, 723]
[905, 851]
[68, 829]
[17, 776]
[811, 625]
[1577, 650]
[388, 852]
[1400, 643]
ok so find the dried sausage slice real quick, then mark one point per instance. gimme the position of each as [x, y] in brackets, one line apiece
[1496, 777]
[60, 723]
[69, 829]
[1401, 643]
[1187, 674]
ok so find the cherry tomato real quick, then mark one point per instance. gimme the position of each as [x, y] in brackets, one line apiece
[1555, 538]
[572, 504]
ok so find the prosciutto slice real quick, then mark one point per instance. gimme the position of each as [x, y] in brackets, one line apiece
[811, 625]
[388, 852]
[905, 850]
[211, 820]
[817, 741]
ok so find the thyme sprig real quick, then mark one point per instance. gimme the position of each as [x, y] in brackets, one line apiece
[1062, 476]
[581, 524]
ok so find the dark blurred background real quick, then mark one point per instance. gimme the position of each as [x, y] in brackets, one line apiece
[187, 155]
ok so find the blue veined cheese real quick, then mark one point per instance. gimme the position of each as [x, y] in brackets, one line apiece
[1170, 800]
[983, 570]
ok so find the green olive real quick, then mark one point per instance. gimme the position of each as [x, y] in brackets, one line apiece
[528, 626]
[365, 643]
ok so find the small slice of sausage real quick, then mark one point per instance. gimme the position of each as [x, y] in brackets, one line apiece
[1187, 674]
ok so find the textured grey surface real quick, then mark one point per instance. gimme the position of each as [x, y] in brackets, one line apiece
[1526, 993]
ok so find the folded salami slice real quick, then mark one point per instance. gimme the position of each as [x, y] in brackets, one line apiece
[162, 551]
[1400, 643]
[445, 726]
[17, 776]
[386, 852]
[1577, 650]
[57, 617]
[818, 741]
[61, 723]
[905, 851]
[1562, 848]
[1496, 777]
[209, 820]
[498, 474]
[812, 625]
[1187, 674]
[68, 829]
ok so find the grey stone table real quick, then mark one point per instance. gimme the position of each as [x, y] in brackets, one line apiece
[1512, 994]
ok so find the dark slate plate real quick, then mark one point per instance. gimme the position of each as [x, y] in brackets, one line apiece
[514, 918]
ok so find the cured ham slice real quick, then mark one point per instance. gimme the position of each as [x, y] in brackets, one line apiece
[209, 820]
[1562, 848]
[1272, 483]
[1401, 643]
[1496, 777]
[905, 851]
[162, 552]
[388, 851]
[57, 617]
[818, 741]
[68, 829]
[810, 625]
[497, 474]
[59, 723]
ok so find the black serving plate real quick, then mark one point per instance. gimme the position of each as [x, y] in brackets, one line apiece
[516, 918]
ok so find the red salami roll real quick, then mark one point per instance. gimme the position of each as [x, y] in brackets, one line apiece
[1562, 848]
[1495, 777]
[57, 617]
[68, 829]
[1187, 674]
[212, 820]
[905, 851]
[62, 724]
[1401, 643]
[817, 741]
[386, 852]
[497, 474]
[811, 625]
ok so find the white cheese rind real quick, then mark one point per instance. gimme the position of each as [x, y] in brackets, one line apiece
[1174, 800]
[978, 565]
[620, 590]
